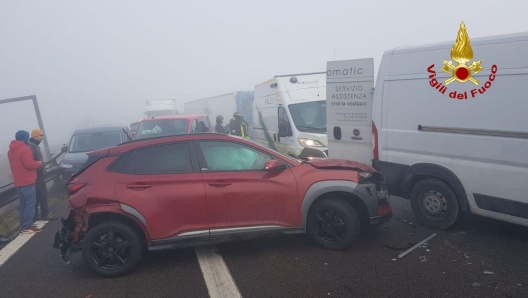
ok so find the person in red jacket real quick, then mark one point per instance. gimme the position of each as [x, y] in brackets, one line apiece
[24, 169]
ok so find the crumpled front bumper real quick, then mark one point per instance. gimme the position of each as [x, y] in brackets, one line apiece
[64, 238]
[376, 197]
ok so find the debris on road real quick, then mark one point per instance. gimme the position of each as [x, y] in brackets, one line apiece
[423, 259]
[416, 246]
[397, 248]
[476, 284]
[4, 239]
[488, 272]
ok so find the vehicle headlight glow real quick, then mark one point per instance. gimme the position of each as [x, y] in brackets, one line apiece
[310, 143]
[365, 175]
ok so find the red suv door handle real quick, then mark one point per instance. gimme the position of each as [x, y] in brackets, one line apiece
[219, 183]
[138, 186]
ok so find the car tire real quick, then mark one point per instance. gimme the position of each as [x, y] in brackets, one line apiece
[434, 203]
[333, 224]
[112, 248]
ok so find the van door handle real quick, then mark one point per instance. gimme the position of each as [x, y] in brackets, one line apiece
[337, 132]
[138, 186]
[219, 183]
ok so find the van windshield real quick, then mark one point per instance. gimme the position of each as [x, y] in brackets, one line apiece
[158, 128]
[309, 116]
[94, 141]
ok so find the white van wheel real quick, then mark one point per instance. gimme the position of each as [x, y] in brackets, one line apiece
[434, 203]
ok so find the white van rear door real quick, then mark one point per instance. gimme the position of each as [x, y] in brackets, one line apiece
[349, 85]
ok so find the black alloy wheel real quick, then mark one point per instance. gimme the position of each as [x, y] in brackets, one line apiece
[333, 223]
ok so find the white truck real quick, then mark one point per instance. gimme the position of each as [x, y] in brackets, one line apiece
[289, 114]
[449, 128]
[160, 107]
[224, 105]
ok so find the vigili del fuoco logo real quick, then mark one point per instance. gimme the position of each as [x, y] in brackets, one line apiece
[462, 73]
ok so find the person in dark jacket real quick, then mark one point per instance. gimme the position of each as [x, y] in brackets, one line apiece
[24, 167]
[37, 136]
[230, 129]
[219, 128]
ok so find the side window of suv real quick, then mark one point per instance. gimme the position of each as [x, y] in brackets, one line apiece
[162, 159]
[204, 123]
[200, 125]
[230, 156]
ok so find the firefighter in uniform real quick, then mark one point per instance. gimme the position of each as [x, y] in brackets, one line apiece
[219, 128]
[241, 126]
[230, 128]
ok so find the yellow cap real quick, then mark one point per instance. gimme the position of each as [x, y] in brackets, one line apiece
[36, 133]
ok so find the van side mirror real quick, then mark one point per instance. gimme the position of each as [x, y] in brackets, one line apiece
[274, 165]
[284, 130]
[64, 149]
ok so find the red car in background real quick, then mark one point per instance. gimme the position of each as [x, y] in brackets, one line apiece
[187, 190]
[172, 125]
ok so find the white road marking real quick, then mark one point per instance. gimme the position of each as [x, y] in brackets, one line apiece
[12, 247]
[219, 282]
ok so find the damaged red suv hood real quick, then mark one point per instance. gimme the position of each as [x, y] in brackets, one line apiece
[328, 163]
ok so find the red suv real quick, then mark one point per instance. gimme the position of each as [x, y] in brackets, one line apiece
[172, 125]
[187, 190]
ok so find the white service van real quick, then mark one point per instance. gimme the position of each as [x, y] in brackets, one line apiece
[289, 114]
[450, 128]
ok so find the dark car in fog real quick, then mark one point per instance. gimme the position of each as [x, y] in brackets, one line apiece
[89, 139]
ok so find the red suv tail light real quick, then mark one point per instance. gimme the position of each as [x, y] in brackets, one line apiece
[375, 141]
[73, 188]
[384, 210]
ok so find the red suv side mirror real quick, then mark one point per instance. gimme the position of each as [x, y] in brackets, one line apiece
[274, 165]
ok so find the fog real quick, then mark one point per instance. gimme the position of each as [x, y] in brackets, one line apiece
[97, 62]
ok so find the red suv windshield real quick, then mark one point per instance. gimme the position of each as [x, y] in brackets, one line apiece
[162, 127]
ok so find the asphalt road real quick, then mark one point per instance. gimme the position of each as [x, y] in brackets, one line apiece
[452, 264]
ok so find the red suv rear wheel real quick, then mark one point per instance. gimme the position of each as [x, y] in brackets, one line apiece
[112, 248]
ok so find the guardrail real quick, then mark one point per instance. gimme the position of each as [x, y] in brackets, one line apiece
[9, 193]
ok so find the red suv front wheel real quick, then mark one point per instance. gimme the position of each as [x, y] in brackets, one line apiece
[333, 224]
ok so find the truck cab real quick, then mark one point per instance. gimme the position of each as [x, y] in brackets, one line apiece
[157, 108]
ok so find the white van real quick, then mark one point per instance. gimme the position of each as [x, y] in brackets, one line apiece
[289, 114]
[450, 131]
[452, 136]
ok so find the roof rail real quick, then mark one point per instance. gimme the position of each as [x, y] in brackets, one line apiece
[173, 136]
